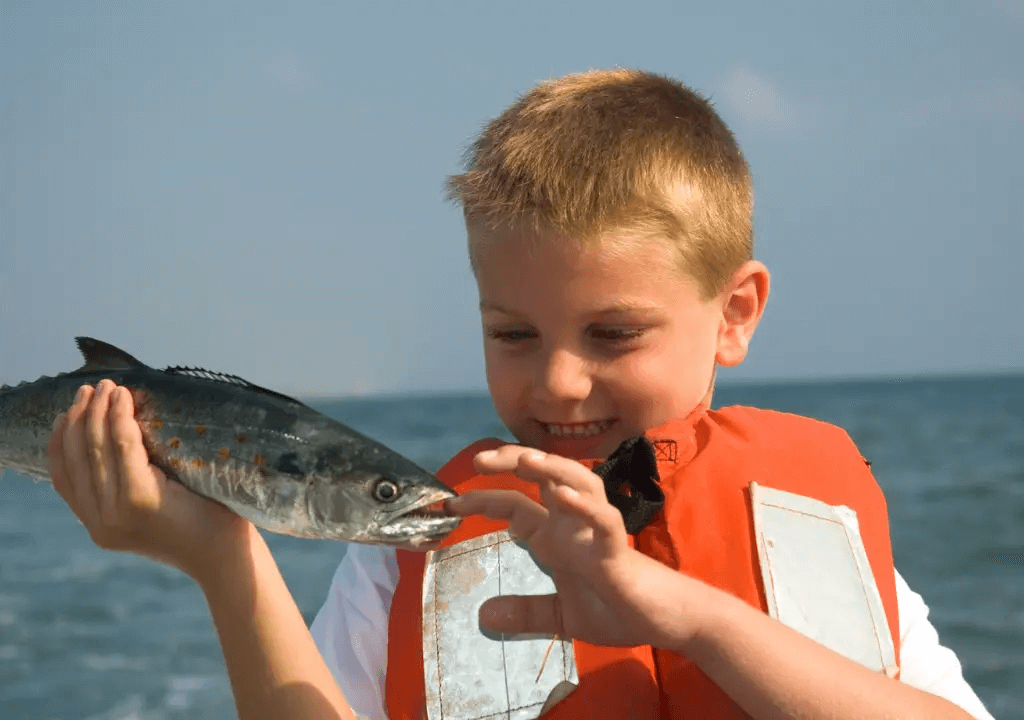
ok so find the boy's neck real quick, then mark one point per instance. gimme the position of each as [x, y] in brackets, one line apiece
[706, 402]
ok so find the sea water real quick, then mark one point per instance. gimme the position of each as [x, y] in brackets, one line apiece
[86, 633]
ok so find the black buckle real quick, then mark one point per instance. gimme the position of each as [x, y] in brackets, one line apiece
[631, 482]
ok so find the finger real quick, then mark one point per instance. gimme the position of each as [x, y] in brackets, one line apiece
[130, 453]
[562, 472]
[503, 459]
[100, 450]
[76, 462]
[602, 518]
[564, 484]
[521, 614]
[537, 466]
[55, 453]
[523, 515]
[573, 489]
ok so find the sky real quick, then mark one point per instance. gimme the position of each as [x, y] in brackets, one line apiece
[257, 187]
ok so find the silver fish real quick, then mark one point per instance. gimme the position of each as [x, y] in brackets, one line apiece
[284, 466]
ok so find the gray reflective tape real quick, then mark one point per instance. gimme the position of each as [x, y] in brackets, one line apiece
[817, 578]
[472, 676]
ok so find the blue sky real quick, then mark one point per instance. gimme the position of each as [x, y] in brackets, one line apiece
[257, 187]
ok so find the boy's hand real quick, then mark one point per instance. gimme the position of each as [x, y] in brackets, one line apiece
[100, 467]
[607, 593]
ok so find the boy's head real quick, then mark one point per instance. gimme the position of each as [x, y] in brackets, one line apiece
[609, 221]
[616, 150]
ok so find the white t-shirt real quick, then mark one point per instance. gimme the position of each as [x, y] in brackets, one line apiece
[351, 631]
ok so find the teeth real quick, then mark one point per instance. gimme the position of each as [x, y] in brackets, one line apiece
[577, 430]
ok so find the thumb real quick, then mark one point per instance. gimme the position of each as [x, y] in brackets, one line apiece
[522, 614]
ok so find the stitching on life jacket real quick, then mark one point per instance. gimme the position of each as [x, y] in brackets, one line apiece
[666, 450]
[504, 660]
[437, 647]
[504, 713]
[452, 556]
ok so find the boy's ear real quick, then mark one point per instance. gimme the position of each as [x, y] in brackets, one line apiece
[743, 301]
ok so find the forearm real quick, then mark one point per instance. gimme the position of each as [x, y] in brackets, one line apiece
[774, 672]
[275, 667]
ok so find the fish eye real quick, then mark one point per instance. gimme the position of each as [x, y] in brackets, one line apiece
[386, 491]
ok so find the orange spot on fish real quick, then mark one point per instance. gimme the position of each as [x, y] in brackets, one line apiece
[175, 443]
[175, 463]
[259, 460]
[224, 452]
[200, 429]
[156, 424]
[241, 439]
[198, 463]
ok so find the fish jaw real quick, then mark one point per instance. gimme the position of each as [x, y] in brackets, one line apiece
[422, 525]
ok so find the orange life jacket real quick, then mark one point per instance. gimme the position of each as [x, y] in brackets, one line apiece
[705, 529]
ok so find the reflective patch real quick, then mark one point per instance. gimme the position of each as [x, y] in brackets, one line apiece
[817, 578]
[473, 676]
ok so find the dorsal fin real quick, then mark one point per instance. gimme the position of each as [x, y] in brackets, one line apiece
[224, 378]
[104, 356]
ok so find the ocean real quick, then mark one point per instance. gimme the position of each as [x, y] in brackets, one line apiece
[86, 633]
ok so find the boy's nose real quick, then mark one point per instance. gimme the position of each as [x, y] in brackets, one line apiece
[564, 376]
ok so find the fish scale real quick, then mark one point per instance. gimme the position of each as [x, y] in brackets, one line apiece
[270, 458]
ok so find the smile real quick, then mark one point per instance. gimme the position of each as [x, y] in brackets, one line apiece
[576, 430]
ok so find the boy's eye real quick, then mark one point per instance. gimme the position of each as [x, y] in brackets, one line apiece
[510, 336]
[618, 335]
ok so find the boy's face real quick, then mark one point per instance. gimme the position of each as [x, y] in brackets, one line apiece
[588, 346]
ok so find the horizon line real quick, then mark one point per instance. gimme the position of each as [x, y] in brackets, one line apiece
[923, 376]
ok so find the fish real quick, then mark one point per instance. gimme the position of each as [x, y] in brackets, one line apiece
[268, 457]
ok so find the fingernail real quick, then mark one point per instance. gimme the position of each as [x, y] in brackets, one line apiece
[487, 455]
[570, 493]
[497, 613]
[452, 506]
[535, 456]
[57, 420]
[80, 394]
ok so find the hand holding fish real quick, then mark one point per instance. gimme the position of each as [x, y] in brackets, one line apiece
[607, 592]
[100, 467]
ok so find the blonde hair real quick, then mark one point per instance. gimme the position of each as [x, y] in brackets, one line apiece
[616, 150]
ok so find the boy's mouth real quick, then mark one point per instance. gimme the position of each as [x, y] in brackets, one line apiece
[576, 430]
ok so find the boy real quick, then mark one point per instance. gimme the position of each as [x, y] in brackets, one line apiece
[609, 223]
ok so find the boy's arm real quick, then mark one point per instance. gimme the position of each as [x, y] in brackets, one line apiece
[101, 469]
[272, 661]
[772, 671]
[610, 594]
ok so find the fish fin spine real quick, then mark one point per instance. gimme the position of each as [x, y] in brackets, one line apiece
[204, 374]
[104, 356]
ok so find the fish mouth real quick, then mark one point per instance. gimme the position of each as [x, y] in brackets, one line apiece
[431, 505]
[423, 524]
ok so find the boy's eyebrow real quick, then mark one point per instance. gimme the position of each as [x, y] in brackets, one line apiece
[484, 305]
[629, 306]
[620, 307]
